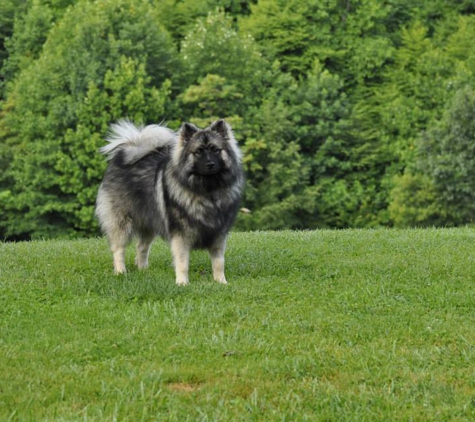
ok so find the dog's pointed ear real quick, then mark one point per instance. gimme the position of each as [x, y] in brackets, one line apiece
[221, 127]
[187, 131]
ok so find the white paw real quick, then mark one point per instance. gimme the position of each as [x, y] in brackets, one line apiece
[221, 280]
[182, 281]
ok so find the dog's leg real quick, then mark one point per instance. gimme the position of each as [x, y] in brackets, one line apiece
[119, 236]
[181, 257]
[143, 249]
[119, 259]
[216, 253]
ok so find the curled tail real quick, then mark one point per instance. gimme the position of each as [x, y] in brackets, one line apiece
[136, 141]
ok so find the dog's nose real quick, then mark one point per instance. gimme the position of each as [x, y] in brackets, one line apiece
[210, 165]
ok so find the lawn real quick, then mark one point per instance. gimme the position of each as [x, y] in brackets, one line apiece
[353, 325]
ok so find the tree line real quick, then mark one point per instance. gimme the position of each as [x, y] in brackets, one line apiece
[350, 113]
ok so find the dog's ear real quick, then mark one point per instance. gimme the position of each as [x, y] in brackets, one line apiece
[221, 127]
[187, 131]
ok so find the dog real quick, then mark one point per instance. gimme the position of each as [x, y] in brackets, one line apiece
[183, 186]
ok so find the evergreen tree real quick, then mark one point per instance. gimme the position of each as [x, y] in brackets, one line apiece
[429, 85]
[300, 158]
[349, 113]
[103, 61]
[213, 47]
[448, 158]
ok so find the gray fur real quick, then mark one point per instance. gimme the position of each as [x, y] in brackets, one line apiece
[184, 187]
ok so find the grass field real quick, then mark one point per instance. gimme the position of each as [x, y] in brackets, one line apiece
[356, 325]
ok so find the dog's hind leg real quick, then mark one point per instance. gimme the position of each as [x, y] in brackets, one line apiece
[216, 253]
[181, 257]
[119, 238]
[143, 250]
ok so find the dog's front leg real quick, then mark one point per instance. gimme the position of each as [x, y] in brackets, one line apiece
[216, 253]
[181, 257]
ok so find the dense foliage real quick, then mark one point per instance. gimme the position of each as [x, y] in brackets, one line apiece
[354, 113]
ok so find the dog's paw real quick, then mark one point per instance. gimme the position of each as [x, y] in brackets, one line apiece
[182, 281]
[120, 271]
[221, 280]
[141, 265]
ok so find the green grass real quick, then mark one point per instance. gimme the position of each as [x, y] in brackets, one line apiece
[356, 325]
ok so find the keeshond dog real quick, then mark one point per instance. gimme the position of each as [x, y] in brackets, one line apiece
[184, 187]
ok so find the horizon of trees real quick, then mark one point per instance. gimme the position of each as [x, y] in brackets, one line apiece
[350, 113]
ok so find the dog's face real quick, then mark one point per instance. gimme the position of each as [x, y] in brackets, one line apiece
[204, 151]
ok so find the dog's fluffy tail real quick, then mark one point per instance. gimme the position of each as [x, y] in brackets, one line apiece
[136, 141]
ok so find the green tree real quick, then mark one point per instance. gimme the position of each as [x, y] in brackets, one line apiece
[224, 75]
[8, 10]
[328, 100]
[347, 37]
[439, 188]
[126, 92]
[211, 98]
[179, 17]
[390, 117]
[102, 61]
[448, 158]
[213, 47]
[414, 202]
[427, 80]
[31, 24]
[300, 156]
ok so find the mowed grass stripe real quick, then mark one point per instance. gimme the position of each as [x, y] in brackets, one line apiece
[319, 325]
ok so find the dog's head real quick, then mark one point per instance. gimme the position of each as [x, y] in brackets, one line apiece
[209, 152]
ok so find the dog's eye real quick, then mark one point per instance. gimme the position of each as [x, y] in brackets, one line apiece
[215, 150]
[199, 151]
